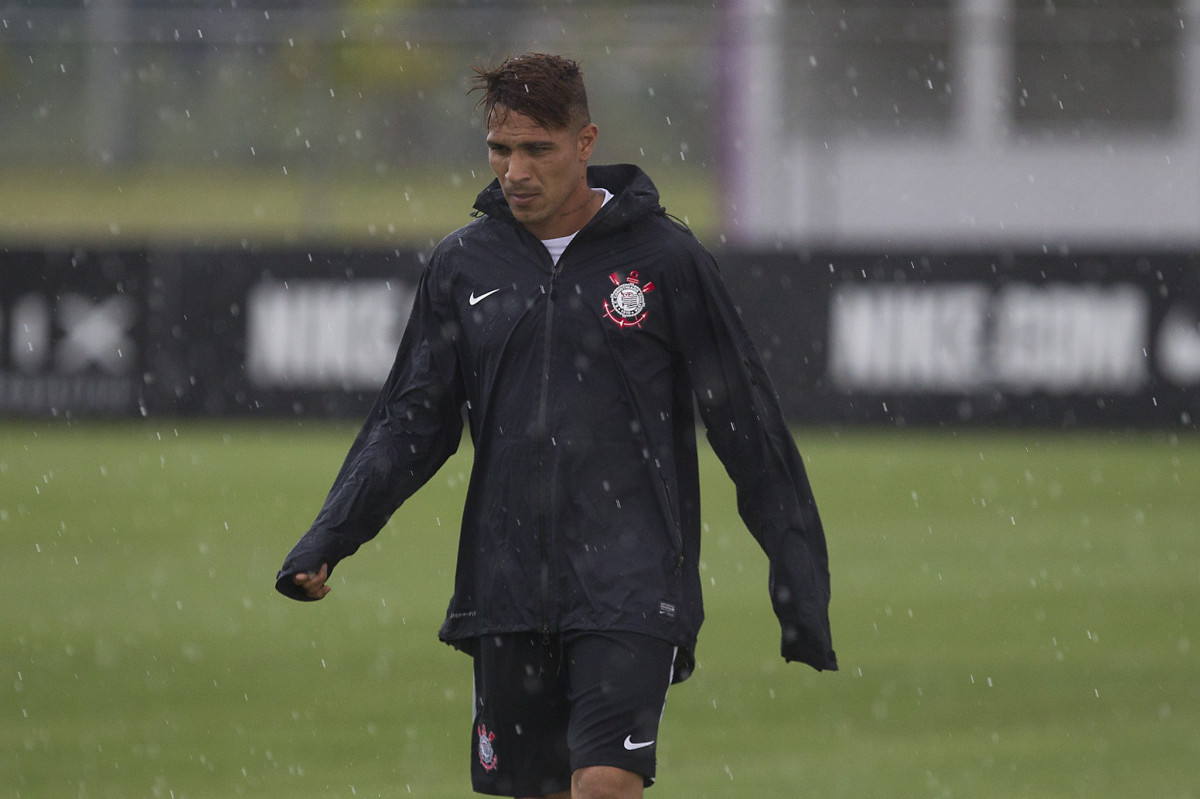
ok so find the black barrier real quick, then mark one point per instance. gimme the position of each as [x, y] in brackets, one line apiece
[73, 333]
[199, 333]
[1041, 339]
[1035, 339]
[277, 333]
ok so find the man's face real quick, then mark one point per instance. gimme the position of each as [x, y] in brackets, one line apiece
[542, 172]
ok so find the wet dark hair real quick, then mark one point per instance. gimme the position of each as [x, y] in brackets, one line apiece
[546, 88]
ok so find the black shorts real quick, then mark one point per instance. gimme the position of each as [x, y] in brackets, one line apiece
[544, 710]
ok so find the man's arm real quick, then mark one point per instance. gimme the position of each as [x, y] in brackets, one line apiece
[746, 427]
[413, 427]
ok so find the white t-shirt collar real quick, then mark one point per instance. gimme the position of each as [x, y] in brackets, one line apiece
[556, 247]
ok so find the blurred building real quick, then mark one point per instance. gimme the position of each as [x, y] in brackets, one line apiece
[836, 123]
[1028, 123]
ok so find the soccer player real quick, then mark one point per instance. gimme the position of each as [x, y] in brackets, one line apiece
[579, 326]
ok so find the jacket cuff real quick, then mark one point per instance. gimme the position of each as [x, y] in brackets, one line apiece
[798, 648]
[285, 586]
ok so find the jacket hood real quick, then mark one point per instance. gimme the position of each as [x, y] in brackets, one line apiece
[634, 196]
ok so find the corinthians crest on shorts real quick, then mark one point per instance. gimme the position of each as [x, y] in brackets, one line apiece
[487, 754]
[626, 306]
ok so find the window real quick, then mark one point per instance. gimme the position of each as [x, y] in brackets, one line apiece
[1095, 65]
[866, 68]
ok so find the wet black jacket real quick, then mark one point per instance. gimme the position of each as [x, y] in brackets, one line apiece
[583, 510]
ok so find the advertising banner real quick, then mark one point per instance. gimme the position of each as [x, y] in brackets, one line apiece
[1100, 340]
[72, 333]
[1015, 339]
[280, 333]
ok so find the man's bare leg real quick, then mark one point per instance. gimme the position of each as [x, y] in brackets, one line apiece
[606, 782]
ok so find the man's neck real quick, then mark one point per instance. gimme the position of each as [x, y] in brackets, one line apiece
[579, 210]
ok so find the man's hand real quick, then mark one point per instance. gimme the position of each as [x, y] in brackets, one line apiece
[314, 584]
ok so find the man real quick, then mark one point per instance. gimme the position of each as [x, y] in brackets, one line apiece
[579, 326]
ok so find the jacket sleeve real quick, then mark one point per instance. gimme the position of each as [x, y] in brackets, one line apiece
[414, 425]
[746, 428]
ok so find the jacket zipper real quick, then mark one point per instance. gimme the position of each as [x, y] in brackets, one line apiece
[544, 433]
[543, 400]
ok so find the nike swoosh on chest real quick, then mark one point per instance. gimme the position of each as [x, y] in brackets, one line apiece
[476, 299]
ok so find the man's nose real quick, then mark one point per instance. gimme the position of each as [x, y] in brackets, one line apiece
[518, 168]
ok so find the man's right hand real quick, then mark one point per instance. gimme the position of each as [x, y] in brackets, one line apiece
[314, 584]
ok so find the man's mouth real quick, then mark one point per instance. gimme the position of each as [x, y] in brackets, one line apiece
[521, 199]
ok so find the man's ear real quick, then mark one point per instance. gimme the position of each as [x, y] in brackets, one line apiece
[587, 140]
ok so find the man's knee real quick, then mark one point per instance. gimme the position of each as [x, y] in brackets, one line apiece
[606, 782]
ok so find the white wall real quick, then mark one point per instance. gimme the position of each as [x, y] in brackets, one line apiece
[978, 186]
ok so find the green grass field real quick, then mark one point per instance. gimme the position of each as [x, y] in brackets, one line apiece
[167, 206]
[1016, 615]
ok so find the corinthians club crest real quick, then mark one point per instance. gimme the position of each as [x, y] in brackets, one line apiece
[626, 306]
[487, 754]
